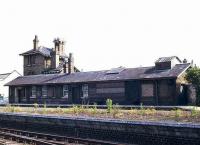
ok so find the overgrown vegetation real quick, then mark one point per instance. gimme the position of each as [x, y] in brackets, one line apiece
[193, 76]
[112, 111]
[143, 114]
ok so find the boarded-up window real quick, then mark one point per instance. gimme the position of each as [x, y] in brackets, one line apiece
[51, 92]
[110, 85]
[110, 90]
[166, 89]
[147, 90]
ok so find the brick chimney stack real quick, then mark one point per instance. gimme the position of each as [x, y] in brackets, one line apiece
[35, 42]
[62, 47]
[55, 54]
[59, 46]
[70, 63]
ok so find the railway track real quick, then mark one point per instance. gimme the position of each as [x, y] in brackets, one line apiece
[36, 138]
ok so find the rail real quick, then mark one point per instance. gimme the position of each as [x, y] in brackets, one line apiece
[47, 139]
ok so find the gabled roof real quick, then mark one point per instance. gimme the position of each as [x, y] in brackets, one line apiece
[97, 76]
[5, 75]
[41, 50]
[167, 59]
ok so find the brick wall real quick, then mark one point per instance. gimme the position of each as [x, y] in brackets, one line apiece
[131, 132]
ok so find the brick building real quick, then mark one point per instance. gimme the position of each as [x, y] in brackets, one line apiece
[161, 84]
[43, 60]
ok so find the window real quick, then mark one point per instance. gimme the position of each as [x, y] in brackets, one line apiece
[44, 91]
[33, 92]
[85, 91]
[147, 90]
[29, 60]
[39, 91]
[66, 91]
[33, 59]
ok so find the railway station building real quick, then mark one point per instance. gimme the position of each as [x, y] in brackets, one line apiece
[50, 77]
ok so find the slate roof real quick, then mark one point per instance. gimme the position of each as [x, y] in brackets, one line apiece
[96, 76]
[167, 59]
[41, 50]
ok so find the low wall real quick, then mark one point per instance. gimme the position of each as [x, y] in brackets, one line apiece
[130, 132]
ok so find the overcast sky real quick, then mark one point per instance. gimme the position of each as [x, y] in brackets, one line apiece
[101, 34]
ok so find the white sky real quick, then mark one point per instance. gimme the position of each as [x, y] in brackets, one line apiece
[101, 34]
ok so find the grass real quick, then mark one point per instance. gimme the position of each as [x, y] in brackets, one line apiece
[142, 114]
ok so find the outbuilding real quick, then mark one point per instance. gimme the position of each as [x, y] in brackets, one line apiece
[5, 78]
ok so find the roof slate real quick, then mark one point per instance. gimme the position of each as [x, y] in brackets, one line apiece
[96, 76]
[42, 50]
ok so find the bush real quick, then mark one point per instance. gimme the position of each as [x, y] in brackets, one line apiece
[193, 76]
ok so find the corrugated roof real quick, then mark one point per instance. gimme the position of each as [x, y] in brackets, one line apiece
[95, 76]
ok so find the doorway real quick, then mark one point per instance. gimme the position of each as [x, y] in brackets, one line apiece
[76, 94]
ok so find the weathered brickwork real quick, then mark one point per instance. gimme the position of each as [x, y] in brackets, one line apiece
[132, 132]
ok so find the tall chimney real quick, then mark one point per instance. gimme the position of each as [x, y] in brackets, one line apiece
[70, 63]
[35, 42]
[55, 54]
[62, 47]
[58, 45]
[65, 67]
[55, 60]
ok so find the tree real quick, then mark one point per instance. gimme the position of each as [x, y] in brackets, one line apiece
[193, 76]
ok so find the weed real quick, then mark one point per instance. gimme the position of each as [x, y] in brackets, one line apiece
[109, 105]
[194, 112]
[142, 110]
[116, 111]
[94, 109]
[178, 113]
[59, 110]
[44, 110]
[75, 109]
[35, 107]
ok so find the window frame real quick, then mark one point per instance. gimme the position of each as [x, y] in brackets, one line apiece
[85, 91]
[33, 92]
[44, 91]
[65, 91]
